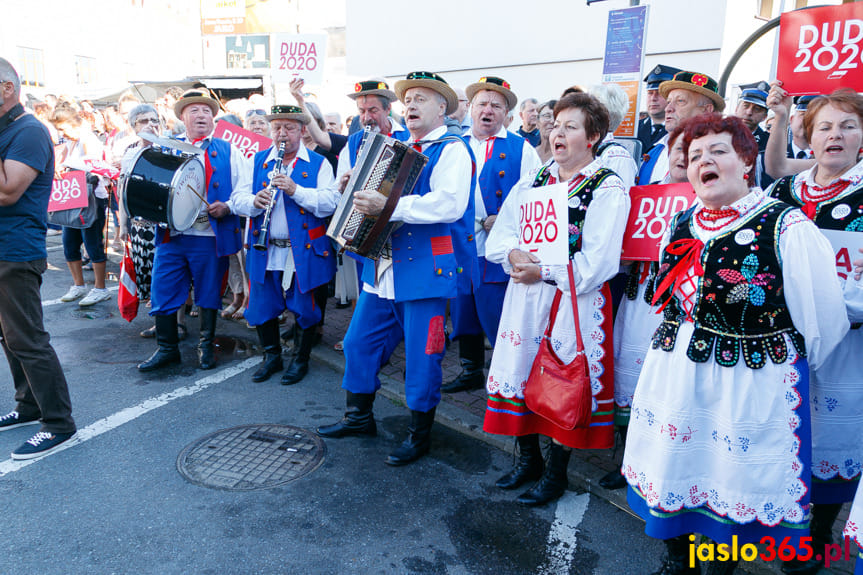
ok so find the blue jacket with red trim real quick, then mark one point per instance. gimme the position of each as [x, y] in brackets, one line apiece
[229, 236]
[424, 260]
[502, 171]
[314, 258]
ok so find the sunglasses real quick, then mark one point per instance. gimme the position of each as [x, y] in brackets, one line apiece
[255, 112]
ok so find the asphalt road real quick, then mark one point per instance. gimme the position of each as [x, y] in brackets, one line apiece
[115, 502]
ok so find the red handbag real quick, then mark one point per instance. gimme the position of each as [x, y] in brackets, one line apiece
[557, 391]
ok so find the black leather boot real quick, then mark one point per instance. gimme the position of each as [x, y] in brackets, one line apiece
[471, 354]
[676, 559]
[268, 336]
[166, 336]
[823, 517]
[358, 419]
[206, 346]
[418, 442]
[530, 464]
[553, 482]
[300, 365]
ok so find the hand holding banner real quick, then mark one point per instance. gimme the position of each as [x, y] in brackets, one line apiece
[543, 224]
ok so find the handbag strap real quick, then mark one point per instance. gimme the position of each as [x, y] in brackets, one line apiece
[556, 303]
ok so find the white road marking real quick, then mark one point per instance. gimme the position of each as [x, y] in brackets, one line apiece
[130, 413]
[562, 537]
[48, 302]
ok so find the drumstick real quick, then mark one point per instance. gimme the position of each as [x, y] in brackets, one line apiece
[194, 191]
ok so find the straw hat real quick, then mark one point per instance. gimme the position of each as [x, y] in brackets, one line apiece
[694, 82]
[431, 81]
[494, 84]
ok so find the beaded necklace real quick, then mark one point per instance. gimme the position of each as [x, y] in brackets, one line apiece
[820, 194]
[707, 217]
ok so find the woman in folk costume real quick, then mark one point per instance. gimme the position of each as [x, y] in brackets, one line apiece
[831, 195]
[598, 208]
[719, 440]
[637, 320]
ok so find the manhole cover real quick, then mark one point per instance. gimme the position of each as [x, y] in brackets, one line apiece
[251, 457]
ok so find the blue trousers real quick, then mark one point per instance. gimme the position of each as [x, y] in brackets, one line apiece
[377, 326]
[479, 312]
[178, 262]
[268, 300]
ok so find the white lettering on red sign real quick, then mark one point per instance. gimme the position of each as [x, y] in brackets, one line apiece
[819, 47]
[654, 213]
[65, 190]
[244, 143]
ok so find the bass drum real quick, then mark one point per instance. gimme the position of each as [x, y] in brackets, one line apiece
[164, 188]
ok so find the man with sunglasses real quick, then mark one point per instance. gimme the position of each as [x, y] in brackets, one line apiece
[26, 177]
[199, 254]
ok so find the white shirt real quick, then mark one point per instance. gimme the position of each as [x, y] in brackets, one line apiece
[620, 161]
[321, 201]
[660, 168]
[241, 186]
[853, 289]
[445, 203]
[529, 163]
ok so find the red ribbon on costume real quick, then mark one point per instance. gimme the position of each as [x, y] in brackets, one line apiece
[489, 147]
[811, 201]
[690, 249]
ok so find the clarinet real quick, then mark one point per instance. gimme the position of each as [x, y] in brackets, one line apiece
[264, 233]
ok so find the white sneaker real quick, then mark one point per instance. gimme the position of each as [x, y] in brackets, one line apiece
[95, 296]
[74, 293]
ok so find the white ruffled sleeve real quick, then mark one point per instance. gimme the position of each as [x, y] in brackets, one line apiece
[503, 237]
[812, 289]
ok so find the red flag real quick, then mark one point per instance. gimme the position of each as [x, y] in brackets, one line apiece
[127, 298]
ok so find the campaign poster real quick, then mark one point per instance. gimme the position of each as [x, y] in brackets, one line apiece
[652, 208]
[69, 192]
[543, 224]
[821, 49]
[248, 142]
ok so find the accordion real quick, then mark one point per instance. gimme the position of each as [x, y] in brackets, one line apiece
[383, 165]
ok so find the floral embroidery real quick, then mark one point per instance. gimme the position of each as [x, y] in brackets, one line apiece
[748, 283]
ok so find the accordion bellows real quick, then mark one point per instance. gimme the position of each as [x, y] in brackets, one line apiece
[384, 165]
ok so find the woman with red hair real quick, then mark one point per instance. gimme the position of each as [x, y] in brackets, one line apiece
[719, 439]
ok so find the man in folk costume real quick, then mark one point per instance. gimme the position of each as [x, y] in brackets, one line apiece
[652, 128]
[374, 102]
[688, 94]
[502, 159]
[406, 297]
[199, 254]
[297, 256]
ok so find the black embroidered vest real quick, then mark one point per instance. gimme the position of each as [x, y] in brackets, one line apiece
[577, 207]
[740, 305]
[844, 212]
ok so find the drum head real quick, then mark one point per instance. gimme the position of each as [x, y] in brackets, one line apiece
[188, 187]
[146, 187]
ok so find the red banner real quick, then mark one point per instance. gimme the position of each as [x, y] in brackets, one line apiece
[69, 192]
[652, 208]
[821, 49]
[248, 142]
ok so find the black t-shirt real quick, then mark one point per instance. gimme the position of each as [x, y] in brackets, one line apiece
[23, 224]
[532, 137]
